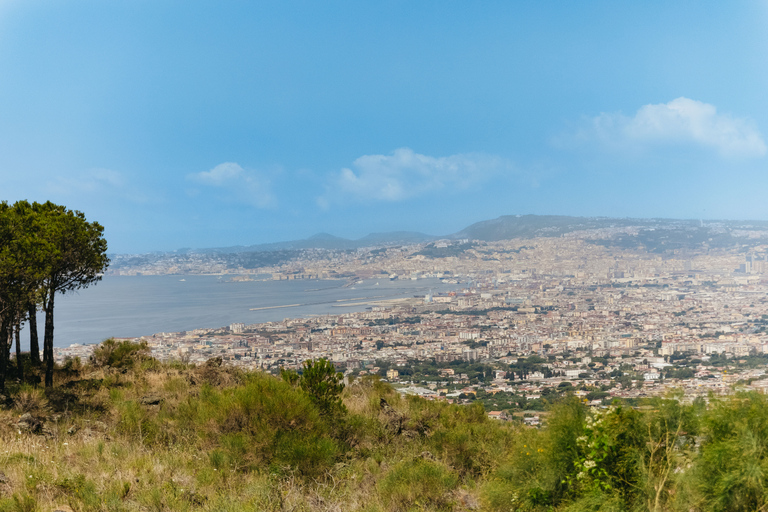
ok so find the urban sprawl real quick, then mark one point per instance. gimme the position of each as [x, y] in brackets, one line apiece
[530, 319]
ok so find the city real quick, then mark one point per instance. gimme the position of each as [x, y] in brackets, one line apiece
[529, 318]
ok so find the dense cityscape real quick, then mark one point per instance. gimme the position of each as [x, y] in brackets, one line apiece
[530, 318]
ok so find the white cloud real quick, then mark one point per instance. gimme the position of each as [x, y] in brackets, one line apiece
[94, 185]
[93, 181]
[405, 174]
[680, 122]
[220, 175]
[236, 184]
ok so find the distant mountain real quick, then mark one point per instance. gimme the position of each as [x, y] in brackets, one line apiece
[532, 226]
[652, 235]
[656, 235]
[326, 241]
[395, 237]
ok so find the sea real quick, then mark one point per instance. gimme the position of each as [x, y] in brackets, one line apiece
[133, 306]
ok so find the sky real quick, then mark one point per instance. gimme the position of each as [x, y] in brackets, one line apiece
[192, 124]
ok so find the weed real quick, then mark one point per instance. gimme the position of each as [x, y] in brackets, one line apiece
[30, 400]
[24, 503]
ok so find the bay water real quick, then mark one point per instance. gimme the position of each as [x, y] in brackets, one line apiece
[133, 306]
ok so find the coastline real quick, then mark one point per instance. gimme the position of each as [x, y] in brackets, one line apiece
[135, 306]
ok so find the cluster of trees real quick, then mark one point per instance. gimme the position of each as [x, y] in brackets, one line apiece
[664, 455]
[45, 249]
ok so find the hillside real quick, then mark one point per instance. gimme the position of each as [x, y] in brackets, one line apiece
[125, 432]
[326, 241]
[647, 235]
[531, 226]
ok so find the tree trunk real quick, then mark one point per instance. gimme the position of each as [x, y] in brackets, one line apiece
[19, 365]
[34, 342]
[3, 351]
[48, 339]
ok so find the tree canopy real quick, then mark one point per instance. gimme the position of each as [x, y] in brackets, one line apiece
[45, 249]
[322, 382]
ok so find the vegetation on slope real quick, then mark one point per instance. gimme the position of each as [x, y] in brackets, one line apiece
[125, 432]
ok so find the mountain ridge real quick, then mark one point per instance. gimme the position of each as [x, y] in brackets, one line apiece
[504, 227]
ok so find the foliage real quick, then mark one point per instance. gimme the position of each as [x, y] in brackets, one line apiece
[320, 380]
[606, 455]
[418, 483]
[257, 442]
[733, 469]
[119, 354]
[30, 400]
[264, 421]
[45, 249]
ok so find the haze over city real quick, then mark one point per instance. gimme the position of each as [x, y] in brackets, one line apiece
[178, 124]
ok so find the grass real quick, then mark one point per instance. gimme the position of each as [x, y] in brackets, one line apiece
[218, 439]
[145, 436]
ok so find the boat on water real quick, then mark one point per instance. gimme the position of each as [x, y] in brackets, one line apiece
[182, 280]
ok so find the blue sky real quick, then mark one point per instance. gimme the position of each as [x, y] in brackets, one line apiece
[203, 124]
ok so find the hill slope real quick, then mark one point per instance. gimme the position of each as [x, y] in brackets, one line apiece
[129, 434]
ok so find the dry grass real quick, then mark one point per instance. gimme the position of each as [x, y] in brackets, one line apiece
[88, 459]
[30, 400]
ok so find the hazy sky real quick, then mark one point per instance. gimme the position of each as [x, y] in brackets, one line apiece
[199, 124]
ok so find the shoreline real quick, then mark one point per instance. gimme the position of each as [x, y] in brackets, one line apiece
[147, 305]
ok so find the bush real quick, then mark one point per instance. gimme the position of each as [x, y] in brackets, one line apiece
[732, 465]
[21, 503]
[320, 380]
[262, 422]
[529, 479]
[120, 354]
[135, 422]
[418, 483]
[72, 364]
[466, 440]
[30, 400]
[538, 463]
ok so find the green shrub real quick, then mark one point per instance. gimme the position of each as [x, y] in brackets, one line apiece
[537, 463]
[136, 422]
[120, 354]
[597, 502]
[472, 449]
[732, 468]
[264, 422]
[418, 483]
[528, 479]
[72, 364]
[320, 380]
[82, 490]
[23, 503]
